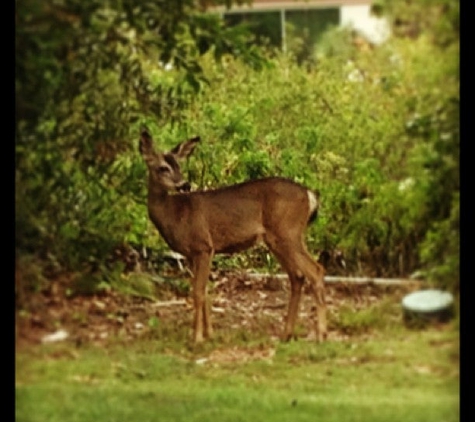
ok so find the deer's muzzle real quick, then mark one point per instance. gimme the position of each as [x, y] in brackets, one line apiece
[183, 187]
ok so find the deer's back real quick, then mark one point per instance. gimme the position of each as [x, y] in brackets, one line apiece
[238, 216]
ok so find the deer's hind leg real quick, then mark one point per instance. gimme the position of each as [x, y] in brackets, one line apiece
[315, 273]
[296, 283]
[299, 265]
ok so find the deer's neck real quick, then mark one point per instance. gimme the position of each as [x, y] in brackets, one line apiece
[165, 211]
[155, 190]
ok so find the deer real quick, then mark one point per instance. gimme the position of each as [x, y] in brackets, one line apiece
[230, 219]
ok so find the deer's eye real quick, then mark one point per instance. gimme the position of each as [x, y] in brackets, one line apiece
[163, 169]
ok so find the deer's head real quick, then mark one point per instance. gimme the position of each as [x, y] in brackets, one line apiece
[164, 170]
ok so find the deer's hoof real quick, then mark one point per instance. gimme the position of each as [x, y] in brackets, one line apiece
[322, 337]
[198, 339]
[289, 337]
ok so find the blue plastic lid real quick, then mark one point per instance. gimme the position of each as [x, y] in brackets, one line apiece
[426, 301]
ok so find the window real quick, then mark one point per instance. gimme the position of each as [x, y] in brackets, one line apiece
[308, 24]
[266, 26]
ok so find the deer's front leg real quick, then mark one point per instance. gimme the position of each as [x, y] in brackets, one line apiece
[201, 267]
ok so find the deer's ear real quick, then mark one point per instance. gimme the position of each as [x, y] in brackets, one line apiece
[184, 149]
[146, 144]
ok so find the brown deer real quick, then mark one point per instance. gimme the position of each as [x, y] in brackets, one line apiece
[230, 219]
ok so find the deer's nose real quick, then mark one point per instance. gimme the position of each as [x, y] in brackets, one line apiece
[183, 187]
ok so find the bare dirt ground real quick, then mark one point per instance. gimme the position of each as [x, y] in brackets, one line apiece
[238, 303]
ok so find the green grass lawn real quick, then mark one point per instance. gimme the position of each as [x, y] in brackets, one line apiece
[391, 375]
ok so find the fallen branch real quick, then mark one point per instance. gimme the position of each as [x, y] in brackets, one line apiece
[342, 279]
[169, 303]
[370, 280]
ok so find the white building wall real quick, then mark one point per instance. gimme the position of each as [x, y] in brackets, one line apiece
[359, 17]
